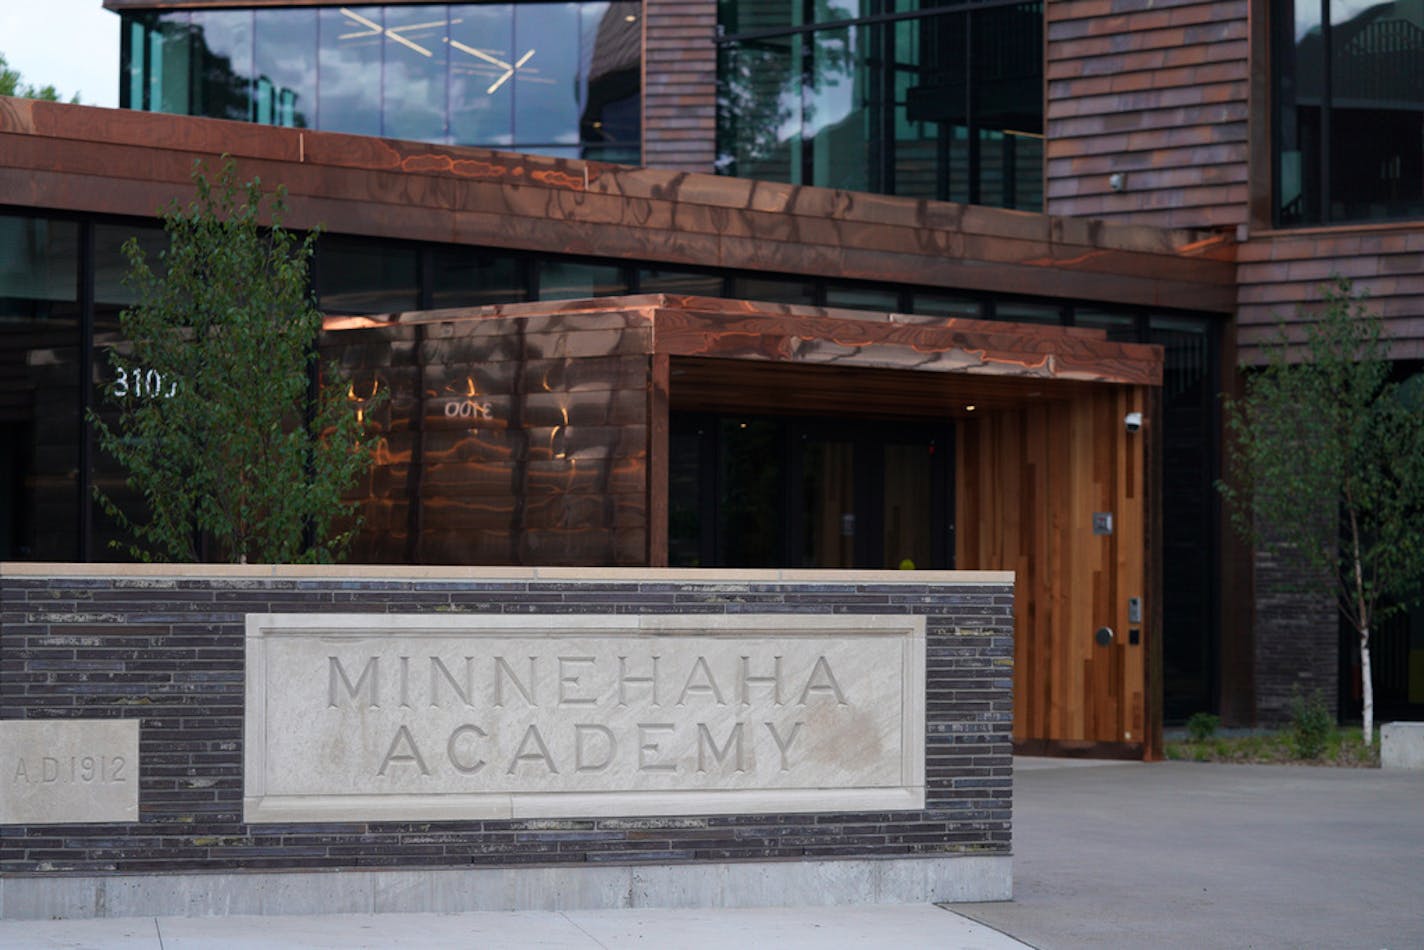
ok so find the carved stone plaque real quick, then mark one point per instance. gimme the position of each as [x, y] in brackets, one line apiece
[57, 771]
[371, 717]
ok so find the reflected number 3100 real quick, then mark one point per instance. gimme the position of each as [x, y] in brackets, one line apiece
[142, 383]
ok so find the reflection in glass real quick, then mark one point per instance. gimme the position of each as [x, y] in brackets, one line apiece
[1349, 87]
[661, 280]
[750, 500]
[469, 277]
[40, 426]
[828, 499]
[863, 298]
[414, 103]
[222, 47]
[547, 73]
[560, 79]
[482, 61]
[349, 69]
[947, 107]
[354, 276]
[577, 280]
[284, 57]
[774, 289]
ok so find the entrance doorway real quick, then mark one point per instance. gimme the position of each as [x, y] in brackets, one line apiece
[768, 491]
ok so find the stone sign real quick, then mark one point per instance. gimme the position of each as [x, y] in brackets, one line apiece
[56, 771]
[423, 717]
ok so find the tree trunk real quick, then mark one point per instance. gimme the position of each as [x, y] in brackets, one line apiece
[1369, 688]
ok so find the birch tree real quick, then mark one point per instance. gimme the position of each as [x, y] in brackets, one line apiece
[1326, 466]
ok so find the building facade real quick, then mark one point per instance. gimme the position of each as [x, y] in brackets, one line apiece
[883, 293]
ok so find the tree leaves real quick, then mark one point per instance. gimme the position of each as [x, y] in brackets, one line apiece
[239, 455]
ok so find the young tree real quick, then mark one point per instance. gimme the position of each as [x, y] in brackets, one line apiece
[1326, 465]
[238, 452]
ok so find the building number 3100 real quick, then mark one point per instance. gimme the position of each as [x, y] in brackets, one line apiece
[143, 384]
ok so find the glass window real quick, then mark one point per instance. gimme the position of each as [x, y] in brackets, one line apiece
[285, 67]
[660, 280]
[40, 424]
[947, 107]
[1119, 326]
[546, 73]
[415, 100]
[611, 124]
[349, 69]
[468, 277]
[222, 51]
[774, 289]
[1349, 85]
[576, 280]
[863, 298]
[942, 305]
[1020, 312]
[111, 296]
[354, 276]
[482, 63]
[450, 73]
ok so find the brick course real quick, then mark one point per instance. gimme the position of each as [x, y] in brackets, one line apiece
[169, 651]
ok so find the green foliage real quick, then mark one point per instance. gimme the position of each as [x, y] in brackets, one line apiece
[1311, 725]
[1344, 748]
[1326, 463]
[239, 454]
[1202, 726]
[10, 85]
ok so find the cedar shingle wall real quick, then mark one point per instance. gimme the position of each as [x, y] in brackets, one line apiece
[680, 84]
[1277, 273]
[1157, 92]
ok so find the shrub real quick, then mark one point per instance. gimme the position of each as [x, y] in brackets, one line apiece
[1311, 725]
[1202, 726]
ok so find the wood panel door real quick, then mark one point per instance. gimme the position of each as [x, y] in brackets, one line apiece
[1057, 492]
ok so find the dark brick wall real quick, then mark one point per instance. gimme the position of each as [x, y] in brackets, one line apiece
[169, 652]
[1297, 636]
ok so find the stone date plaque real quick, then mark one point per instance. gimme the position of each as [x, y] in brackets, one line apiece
[426, 717]
[58, 771]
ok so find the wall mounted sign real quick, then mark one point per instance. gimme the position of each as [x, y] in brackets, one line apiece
[57, 771]
[421, 717]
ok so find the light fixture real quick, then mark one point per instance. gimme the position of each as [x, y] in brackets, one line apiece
[631, 18]
[970, 408]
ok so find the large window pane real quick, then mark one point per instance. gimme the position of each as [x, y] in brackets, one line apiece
[546, 73]
[482, 61]
[349, 69]
[222, 50]
[611, 123]
[467, 277]
[40, 426]
[354, 276]
[113, 364]
[576, 280]
[947, 107]
[416, 81]
[284, 58]
[1349, 85]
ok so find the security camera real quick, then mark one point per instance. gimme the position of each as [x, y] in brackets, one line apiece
[1133, 421]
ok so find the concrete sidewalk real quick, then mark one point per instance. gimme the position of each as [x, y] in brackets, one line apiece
[1105, 855]
[903, 927]
[1187, 855]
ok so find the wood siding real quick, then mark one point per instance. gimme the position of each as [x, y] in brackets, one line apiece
[1029, 482]
[1281, 272]
[680, 84]
[1158, 93]
[67, 157]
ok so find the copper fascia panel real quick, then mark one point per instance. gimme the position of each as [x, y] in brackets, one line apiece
[81, 158]
[746, 330]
